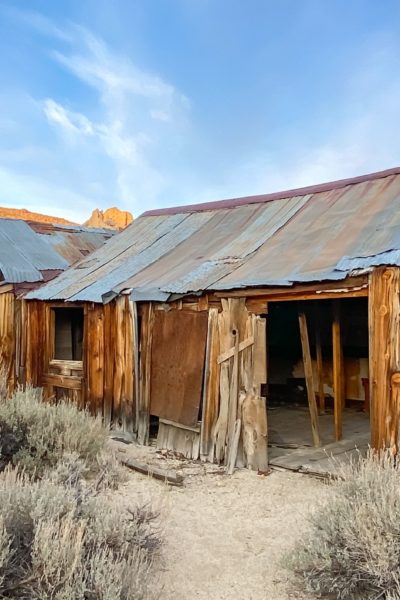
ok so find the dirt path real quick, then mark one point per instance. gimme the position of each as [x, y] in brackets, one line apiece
[225, 536]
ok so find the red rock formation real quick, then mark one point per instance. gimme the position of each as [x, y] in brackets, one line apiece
[111, 218]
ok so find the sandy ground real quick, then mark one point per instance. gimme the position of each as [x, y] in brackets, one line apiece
[225, 537]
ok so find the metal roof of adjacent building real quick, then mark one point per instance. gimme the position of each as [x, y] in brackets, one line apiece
[319, 233]
[28, 248]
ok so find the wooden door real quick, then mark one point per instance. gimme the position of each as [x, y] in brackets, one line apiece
[177, 363]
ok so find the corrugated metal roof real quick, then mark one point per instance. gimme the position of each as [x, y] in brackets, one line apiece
[319, 233]
[27, 248]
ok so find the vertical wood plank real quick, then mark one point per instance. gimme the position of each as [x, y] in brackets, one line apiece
[211, 386]
[94, 358]
[108, 310]
[136, 355]
[145, 372]
[384, 351]
[338, 371]
[309, 379]
[129, 371]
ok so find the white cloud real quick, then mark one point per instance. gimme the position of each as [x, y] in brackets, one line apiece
[70, 121]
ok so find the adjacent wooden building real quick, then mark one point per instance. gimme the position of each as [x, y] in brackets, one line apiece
[195, 320]
[31, 254]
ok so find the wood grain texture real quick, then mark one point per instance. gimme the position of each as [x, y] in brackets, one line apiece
[384, 353]
[211, 387]
[177, 365]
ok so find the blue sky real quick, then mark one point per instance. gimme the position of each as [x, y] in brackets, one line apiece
[150, 103]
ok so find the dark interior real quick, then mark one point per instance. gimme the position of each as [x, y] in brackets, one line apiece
[68, 326]
[286, 383]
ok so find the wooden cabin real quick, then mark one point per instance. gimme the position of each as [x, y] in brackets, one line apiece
[216, 330]
[31, 254]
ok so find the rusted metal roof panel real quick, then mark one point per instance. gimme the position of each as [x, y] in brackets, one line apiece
[27, 249]
[321, 233]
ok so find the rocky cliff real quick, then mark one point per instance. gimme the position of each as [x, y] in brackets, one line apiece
[111, 218]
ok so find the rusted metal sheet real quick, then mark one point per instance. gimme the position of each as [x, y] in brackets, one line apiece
[177, 363]
[321, 233]
[28, 249]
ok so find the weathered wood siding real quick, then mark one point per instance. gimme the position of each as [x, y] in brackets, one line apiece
[104, 380]
[7, 338]
[384, 354]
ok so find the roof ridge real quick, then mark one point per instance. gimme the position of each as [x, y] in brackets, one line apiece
[263, 198]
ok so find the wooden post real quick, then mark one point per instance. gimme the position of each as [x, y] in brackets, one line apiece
[318, 349]
[337, 370]
[309, 379]
[384, 353]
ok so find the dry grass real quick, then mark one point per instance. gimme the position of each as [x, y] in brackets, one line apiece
[35, 435]
[353, 550]
[64, 541]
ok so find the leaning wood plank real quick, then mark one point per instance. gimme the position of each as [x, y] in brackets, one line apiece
[312, 404]
[338, 373]
[168, 476]
[233, 450]
[229, 353]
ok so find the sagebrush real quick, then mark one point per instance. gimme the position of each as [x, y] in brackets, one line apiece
[35, 435]
[353, 548]
[64, 541]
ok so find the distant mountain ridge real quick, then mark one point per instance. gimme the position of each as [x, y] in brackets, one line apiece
[27, 215]
[111, 218]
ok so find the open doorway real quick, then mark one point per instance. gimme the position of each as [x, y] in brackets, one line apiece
[289, 419]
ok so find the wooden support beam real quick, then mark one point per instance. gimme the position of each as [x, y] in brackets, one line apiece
[318, 350]
[338, 372]
[305, 344]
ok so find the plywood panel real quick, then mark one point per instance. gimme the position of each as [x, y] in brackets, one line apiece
[177, 363]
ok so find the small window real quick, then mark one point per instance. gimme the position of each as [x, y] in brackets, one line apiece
[68, 333]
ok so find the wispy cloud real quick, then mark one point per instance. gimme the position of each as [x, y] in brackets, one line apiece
[130, 100]
[113, 132]
[115, 141]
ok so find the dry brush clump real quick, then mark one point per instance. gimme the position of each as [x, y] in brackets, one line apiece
[353, 548]
[35, 435]
[65, 541]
